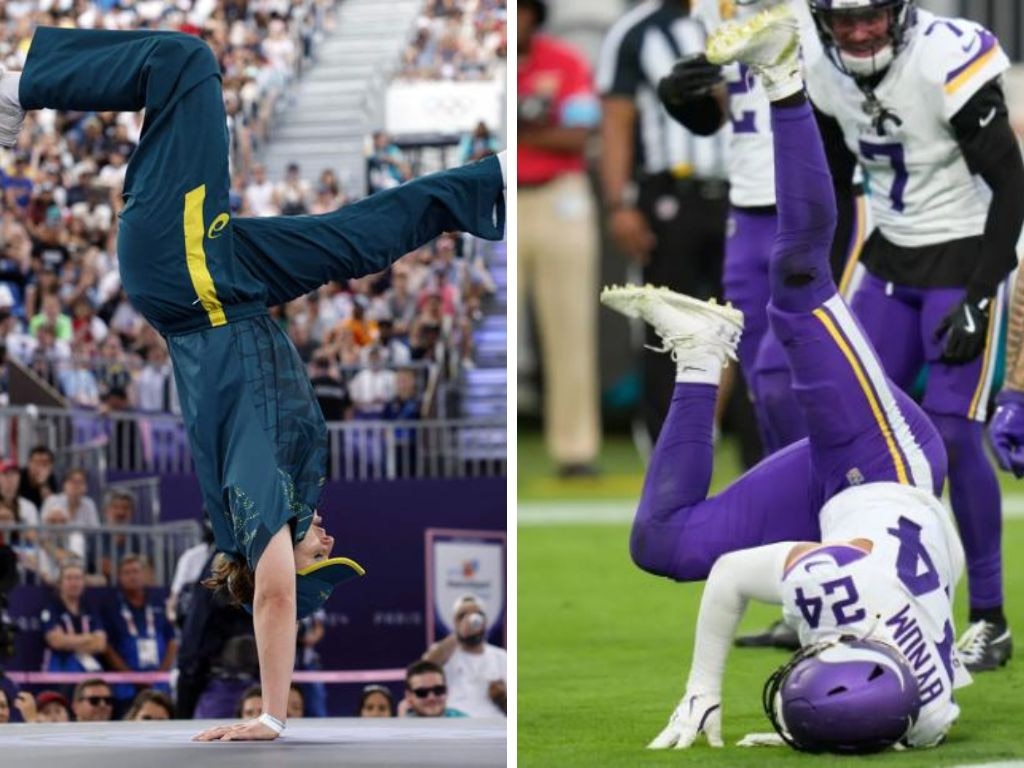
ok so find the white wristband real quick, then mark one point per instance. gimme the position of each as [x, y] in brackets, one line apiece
[272, 723]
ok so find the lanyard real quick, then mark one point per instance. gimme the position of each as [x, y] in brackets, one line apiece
[129, 620]
[69, 625]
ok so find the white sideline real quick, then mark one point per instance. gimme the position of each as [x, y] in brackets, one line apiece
[540, 513]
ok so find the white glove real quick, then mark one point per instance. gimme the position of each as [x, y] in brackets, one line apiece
[761, 740]
[696, 713]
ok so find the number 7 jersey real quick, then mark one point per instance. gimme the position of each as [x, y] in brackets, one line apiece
[900, 592]
[921, 189]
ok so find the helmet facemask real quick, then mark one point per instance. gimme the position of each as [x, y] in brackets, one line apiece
[862, 59]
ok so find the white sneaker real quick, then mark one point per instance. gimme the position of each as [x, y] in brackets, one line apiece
[769, 43]
[701, 336]
[11, 113]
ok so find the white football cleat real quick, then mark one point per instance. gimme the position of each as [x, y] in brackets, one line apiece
[11, 113]
[769, 43]
[700, 335]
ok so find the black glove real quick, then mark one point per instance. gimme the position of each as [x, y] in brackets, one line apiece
[692, 77]
[965, 329]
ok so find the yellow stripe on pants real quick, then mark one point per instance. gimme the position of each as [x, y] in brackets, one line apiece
[195, 255]
[876, 408]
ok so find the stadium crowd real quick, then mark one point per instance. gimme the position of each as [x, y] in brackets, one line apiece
[457, 40]
[377, 347]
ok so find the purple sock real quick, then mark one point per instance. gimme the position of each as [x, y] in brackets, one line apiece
[678, 476]
[800, 274]
[974, 496]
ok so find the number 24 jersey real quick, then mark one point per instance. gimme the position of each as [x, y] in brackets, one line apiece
[899, 592]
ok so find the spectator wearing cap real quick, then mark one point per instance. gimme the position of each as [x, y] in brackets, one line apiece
[74, 635]
[37, 479]
[475, 669]
[426, 693]
[25, 512]
[376, 701]
[151, 705]
[93, 701]
[140, 638]
[50, 707]
[80, 508]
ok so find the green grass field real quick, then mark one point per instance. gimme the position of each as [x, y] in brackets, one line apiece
[603, 648]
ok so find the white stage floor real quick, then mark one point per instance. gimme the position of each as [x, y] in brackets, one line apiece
[348, 742]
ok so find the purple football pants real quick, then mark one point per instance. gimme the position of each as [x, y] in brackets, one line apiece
[861, 428]
[901, 323]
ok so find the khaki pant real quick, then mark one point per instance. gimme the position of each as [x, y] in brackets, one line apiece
[557, 269]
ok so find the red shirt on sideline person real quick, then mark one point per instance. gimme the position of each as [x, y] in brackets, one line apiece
[555, 87]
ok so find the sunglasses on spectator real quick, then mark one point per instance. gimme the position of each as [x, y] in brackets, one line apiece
[437, 690]
[99, 701]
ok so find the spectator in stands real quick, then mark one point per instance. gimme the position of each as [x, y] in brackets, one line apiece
[475, 669]
[86, 327]
[25, 512]
[124, 451]
[5, 708]
[373, 387]
[139, 636]
[187, 573]
[259, 194]
[394, 352]
[426, 694]
[376, 701]
[51, 314]
[230, 676]
[401, 302]
[78, 383]
[331, 392]
[93, 701]
[37, 479]
[386, 166]
[296, 702]
[51, 707]
[119, 511]
[151, 705]
[74, 635]
[292, 195]
[154, 386]
[112, 366]
[55, 546]
[362, 328]
[81, 509]
[478, 144]
[250, 705]
[50, 356]
[312, 629]
[406, 404]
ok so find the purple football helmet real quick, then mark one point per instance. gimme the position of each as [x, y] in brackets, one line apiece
[901, 17]
[849, 697]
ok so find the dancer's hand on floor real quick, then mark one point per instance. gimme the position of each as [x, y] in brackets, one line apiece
[250, 730]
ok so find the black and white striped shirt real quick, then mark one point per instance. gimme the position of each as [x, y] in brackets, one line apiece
[640, 49]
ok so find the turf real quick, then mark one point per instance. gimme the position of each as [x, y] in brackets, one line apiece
[603, 651]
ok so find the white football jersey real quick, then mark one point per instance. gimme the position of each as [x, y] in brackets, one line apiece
[750, 159]
[920, 187]
[901, 592]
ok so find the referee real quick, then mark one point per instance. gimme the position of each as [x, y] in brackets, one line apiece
[665, 193]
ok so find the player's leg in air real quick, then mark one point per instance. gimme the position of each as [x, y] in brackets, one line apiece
[861, 429]
[257, 436]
